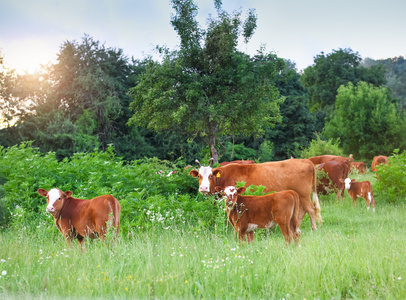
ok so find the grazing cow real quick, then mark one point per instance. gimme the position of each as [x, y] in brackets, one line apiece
[336, 171]
[316, 160]
[380, 159]
[77, 218]
[291, 174]
[243, 162]
[359, 166]
[247, 213]
[361, 189]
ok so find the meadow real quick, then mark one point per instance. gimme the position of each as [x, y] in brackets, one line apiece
[355, 254]
[175, 243]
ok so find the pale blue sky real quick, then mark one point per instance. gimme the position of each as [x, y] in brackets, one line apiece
[32, 31]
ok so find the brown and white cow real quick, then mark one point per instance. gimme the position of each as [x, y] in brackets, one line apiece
[359, 166]
[291, 174]
[380, 159]
[247, 213]
[335, 171]
[77, 218]
[360, 189]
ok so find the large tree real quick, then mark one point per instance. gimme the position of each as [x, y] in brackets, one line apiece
[208, 88]
[366, 121]
[329, 72]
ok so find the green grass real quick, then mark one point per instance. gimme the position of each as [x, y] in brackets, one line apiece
[355, 254]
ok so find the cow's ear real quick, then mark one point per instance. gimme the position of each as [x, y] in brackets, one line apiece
[341, 180]
[353, 180]
[241, 190]
[217, 173]
[68, 194]
[219, 189]
[194, 173]
[42, 192]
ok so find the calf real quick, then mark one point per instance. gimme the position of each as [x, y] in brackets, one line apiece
[362, 189]
[359, 166]
[247, 213]
[380, 159]
[77, 218]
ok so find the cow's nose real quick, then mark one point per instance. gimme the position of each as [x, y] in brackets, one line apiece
[204, 189]
[50, 208]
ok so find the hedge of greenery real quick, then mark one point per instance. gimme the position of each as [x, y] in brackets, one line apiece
[149, 198]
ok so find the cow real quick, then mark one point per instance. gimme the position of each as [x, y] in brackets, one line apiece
[380, 159]
[316, 160]
[335, 170]
[360, 189]
[77, 218]
[247, 213]
[291, 174]
[243, 162]
[359, 166]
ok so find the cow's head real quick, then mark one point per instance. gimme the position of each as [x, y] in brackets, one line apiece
[205, 175]
[347, 182]
[231, 193]
[55, 199]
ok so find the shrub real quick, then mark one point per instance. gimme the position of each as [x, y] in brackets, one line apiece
[391, 178]
[322, 147]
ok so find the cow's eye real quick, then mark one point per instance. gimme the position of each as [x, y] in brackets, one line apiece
[211, 176]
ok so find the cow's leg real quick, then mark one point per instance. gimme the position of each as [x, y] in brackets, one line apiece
[367, 202]
[354, 200]
[81, 242]
[306, 206]
[284, 226]
[250, 236]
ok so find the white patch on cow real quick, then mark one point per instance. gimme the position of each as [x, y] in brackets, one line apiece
[369, 197]
[53, 195]
[251, 227]
[205, 172]
[347, 182]
[230, 191]
[270, 225]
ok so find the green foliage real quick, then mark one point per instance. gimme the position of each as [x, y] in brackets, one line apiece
[238, 152]
[149, 196]
[322, 147]
[392, 179]
[368, 119]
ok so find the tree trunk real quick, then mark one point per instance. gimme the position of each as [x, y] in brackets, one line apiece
[212, 142]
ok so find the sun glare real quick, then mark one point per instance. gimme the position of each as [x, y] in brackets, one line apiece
[27, 56]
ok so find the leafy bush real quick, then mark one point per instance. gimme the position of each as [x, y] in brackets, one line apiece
[150, 195]
[322, 147]
[391, 178]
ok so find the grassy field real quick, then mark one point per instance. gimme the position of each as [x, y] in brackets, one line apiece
[355, 254]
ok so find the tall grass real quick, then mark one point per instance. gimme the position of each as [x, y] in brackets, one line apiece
[355, 254]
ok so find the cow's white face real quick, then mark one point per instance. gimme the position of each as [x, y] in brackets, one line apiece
[205, 175]
[53, 196]
[231, 193]
[347, 183]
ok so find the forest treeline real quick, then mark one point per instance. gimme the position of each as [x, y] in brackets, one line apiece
[205, 98]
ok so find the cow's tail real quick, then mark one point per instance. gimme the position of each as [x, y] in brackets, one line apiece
[316, 203]
[295, 218]
[114, 216]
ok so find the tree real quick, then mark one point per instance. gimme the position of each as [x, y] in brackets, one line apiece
[367, 121]
[329, 72]
[207, 88]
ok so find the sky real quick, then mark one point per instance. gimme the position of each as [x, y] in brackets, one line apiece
[33, 31]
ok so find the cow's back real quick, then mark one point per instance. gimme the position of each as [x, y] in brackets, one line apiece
[291, 174]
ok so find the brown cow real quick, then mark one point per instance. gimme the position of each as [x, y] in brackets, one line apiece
[336, 171]
[247, 213]
[243, 162]
[359, 166]
[291, 174]
[77, 218]
[361, 189]
[316, 160]
[380, 159]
